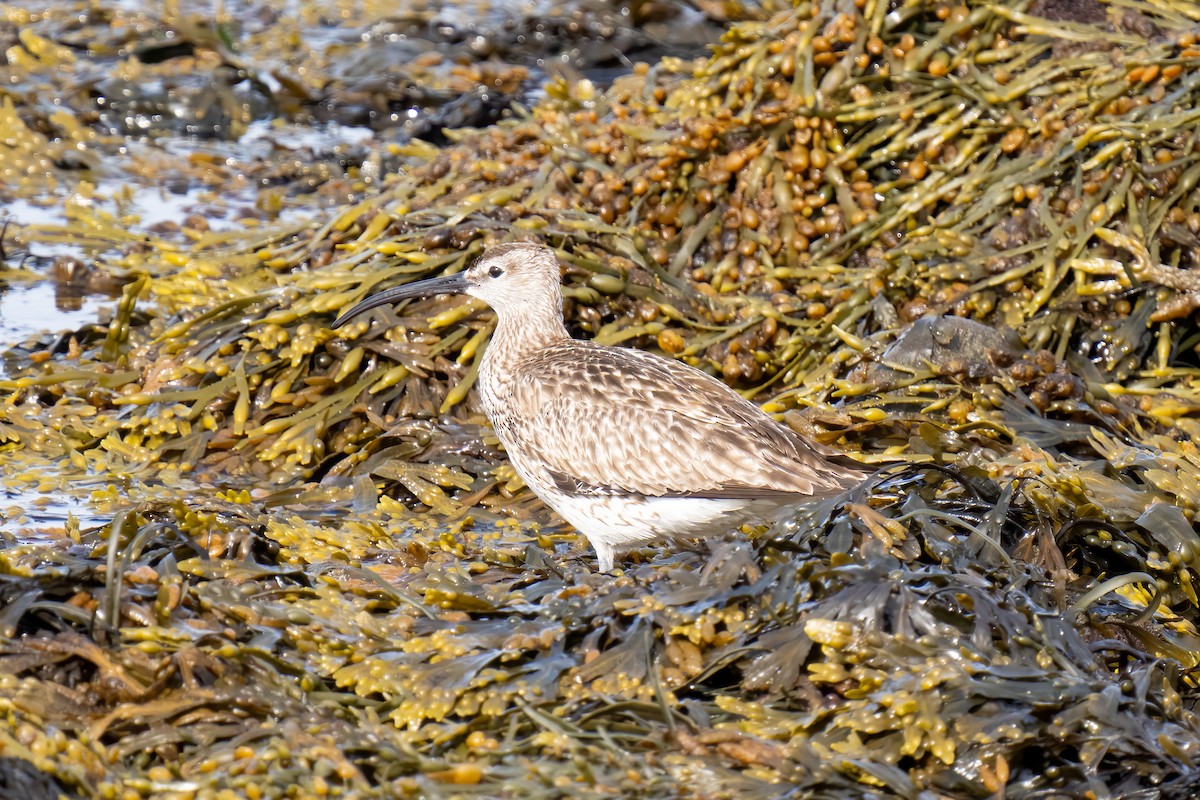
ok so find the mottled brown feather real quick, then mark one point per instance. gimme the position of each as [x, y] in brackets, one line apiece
[603, 420]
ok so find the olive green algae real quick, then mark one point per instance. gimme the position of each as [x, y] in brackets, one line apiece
[355, 596]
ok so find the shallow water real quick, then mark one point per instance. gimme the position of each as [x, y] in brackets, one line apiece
[27, 309]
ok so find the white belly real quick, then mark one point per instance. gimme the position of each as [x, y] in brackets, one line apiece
[610, 522]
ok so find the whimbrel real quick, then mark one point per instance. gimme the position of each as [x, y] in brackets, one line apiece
[625, 445]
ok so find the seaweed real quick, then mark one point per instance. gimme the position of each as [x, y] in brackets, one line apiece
[961, 236]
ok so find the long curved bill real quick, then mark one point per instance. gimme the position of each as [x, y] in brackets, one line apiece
[447, 284]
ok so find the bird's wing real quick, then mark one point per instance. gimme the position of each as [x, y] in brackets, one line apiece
[613, 419]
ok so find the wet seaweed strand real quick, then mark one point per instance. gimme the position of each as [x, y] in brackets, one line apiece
[745, 213]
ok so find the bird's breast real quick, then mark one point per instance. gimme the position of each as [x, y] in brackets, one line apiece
[500, 403]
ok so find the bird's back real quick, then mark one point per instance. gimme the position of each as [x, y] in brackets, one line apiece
[588, 419]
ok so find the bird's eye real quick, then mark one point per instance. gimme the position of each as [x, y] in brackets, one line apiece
[496, 272]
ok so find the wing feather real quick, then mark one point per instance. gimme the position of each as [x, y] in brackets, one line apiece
[601, 419]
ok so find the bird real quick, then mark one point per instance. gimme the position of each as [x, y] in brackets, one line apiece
[625, 445]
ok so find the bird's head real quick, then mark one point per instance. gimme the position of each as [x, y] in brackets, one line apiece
[519, 279]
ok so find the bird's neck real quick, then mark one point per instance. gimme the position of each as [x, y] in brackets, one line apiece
[527, 331]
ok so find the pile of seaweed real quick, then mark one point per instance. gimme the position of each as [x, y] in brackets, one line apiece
[962, 235]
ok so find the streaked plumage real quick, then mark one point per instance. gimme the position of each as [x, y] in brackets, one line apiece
[624, 445]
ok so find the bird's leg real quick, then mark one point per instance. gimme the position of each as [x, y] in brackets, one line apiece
[604, 557]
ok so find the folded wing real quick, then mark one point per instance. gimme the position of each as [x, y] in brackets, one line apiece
[619, 420]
